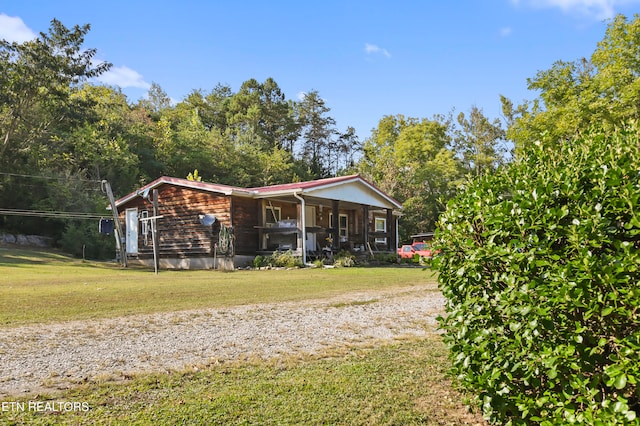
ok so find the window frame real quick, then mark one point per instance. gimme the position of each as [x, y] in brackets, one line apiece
[376, 221]
[343, 231]
[272, 212]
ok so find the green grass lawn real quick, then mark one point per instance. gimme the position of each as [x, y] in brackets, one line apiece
[401, 382]
[40, 287]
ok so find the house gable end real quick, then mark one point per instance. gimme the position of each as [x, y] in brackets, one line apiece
[354, 192]
[352, 189]
[184, 183]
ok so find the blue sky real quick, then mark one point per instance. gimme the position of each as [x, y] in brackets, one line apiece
[367, 59]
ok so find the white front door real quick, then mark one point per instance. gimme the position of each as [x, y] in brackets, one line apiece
[131, 221]
[310, 220]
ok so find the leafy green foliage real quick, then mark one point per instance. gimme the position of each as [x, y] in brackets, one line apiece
[344, 259]
[540, 268]
[384, 258]
[410, 159]
[258, 261]
[194, 176]
[278, 259]
[82, 239]
[35, 78]
[601, 89]
[479, 141]
[318, 129]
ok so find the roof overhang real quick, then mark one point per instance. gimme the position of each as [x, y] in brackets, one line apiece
[350, 189]
[185, 183]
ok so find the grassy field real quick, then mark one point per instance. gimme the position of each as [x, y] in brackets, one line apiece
[400, 382]
[40, 287]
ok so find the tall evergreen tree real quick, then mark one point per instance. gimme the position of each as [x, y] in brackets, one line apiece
[318, 130]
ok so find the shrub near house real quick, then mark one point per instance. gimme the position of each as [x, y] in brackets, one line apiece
[541, 273]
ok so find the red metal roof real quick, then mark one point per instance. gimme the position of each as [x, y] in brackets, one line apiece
[259, 191]
[205, 186]
[305, 185]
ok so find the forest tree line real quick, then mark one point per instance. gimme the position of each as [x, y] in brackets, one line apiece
[61, 134]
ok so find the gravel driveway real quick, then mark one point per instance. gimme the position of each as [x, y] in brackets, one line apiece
[56, 356]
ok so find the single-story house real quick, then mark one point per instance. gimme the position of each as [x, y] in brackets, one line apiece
[200, 225]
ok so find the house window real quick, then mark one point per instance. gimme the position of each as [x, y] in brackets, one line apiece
[144, 214]
[381, 226]
[272, 215]
[343, 225]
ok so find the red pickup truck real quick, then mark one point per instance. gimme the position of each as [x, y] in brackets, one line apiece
[408, 251]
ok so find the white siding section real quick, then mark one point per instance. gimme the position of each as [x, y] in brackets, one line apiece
[354, 192]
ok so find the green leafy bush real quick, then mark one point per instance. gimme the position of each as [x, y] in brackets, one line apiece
[385, 258]
[344, 259]
[318, 263]
[258, 261]
[283, 259]
[540, 267]
[82, 239]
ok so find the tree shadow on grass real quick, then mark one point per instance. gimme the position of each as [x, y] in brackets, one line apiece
[19, 257]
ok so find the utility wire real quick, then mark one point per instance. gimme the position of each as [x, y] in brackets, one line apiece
[49, 177]
[51, 214]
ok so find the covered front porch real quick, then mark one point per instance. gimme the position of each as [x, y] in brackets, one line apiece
[316, 222]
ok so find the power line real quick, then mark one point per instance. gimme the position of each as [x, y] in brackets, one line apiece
[36, 185]
[49, 177]
[51, 214]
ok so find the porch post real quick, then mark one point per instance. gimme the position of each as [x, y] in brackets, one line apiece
[365, 226]
[335, 233]
[391, 231]
[302, 226]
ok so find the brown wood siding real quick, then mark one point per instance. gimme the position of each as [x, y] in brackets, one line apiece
[246, 215]
[180, 232]
[182, 235]
[288, 210]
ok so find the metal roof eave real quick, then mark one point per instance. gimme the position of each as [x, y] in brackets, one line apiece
[310, 192]
[203, 186]
[263, 192]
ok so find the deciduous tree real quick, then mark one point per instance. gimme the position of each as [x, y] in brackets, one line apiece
[602, 89]
[411, 160]
[35, 81]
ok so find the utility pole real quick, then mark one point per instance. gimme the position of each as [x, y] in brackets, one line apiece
[154, 228]
[116, 221]
[154, 234]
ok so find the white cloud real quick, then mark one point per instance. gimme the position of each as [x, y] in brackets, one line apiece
[598, 9]
[12, 28]
[372, 49]
[123, 77]
[506, 31]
